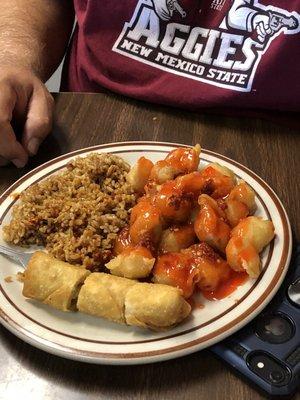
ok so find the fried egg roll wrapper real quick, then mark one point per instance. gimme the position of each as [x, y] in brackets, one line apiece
[124, 300]
[155, 306]
[53, 282]
[103, 295]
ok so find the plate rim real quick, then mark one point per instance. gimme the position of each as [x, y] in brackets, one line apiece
[181, 349]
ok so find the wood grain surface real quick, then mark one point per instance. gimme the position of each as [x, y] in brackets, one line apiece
[271, 150]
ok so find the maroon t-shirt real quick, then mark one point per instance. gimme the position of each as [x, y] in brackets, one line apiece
[189, 53]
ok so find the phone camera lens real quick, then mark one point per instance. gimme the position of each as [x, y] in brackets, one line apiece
[274, 328]
[268, 368]
[277, 376]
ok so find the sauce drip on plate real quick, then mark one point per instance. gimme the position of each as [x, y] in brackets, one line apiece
[227, 287]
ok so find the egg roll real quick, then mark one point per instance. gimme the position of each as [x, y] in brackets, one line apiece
[53, 282]
[103, 295]
[130, 302]
[155, 306]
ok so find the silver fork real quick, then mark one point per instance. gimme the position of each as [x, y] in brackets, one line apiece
[20, 257]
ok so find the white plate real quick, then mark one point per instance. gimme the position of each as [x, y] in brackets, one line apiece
[82, 337]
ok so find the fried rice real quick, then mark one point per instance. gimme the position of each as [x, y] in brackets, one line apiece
[77, 213]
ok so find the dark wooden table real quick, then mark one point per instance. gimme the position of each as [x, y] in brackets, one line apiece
[271, 150]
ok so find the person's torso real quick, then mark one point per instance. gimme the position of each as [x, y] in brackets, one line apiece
[190, 53]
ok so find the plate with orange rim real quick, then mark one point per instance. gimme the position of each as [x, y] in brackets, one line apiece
[85, 338]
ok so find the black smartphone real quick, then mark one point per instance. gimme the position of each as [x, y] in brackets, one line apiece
[267, 351]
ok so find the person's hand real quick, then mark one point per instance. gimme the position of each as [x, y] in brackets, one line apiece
[23, 97]
[261, 23]
[162, 10]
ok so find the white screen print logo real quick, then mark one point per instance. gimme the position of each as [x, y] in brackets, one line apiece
[226, 56]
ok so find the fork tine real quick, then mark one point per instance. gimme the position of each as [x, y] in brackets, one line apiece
[14, 257]
[7, 250]
[21, 258]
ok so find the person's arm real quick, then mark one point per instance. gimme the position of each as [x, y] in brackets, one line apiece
[33, 39]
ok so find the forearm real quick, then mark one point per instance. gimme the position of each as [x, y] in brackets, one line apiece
[34, 33]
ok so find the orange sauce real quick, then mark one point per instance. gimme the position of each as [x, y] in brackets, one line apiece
[210, 172]
[123, 241]
[173, 203]
[183, 159]
[184, 234]
[227, 287]
[177, 269]
[191, 183]
[248, 254]
[145, 166]
[220, 183]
